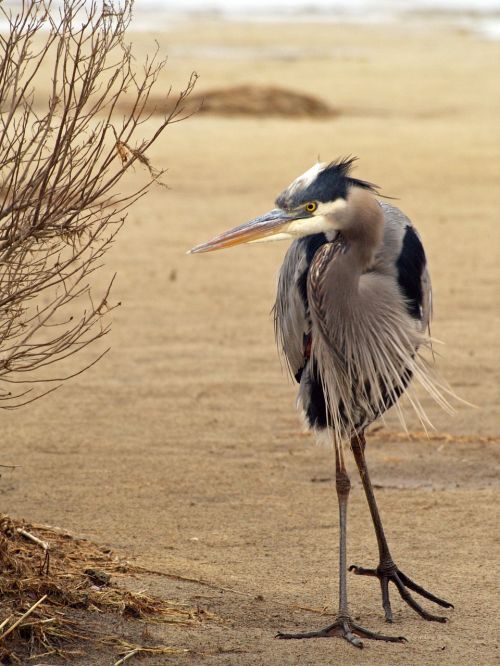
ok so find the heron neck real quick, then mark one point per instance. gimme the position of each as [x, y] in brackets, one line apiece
[357, 243]
[343, 274]
[363, 228]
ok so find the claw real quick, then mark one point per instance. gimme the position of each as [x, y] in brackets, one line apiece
[361, 571]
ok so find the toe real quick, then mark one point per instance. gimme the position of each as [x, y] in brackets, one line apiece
[361, 571]
[386, 602]
[353, 640]
[408, 582]
[406, 596]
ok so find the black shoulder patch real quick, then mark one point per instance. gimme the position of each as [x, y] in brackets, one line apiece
[410, 267]
[311, 245]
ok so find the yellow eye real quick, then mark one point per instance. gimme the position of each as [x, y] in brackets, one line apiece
[311, 206]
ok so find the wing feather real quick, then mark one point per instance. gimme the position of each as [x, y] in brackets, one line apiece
[292, 321]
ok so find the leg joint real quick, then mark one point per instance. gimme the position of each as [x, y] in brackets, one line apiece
[386, 565]
[343, 483]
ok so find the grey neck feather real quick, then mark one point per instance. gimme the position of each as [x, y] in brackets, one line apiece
[362, 231]
[363, 227]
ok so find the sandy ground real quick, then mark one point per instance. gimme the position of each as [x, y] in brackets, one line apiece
[182, 449]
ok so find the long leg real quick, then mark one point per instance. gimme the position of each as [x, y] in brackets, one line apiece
[343, 625]
[343, 487]
[387, 570]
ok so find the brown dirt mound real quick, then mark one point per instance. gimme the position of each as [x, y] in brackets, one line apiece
[250, 100]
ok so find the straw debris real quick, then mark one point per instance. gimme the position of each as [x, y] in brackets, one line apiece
[54, 588]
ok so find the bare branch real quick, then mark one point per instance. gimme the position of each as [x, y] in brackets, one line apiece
[61, 159]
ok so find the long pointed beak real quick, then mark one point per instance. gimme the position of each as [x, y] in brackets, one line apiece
[270, 224]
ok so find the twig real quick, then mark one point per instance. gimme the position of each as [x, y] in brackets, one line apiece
[43, 544]
[413, 436]
[137, 568]
[320, 611]
[23, 617]
[149, 650]
[32, 537]
[48, 620]
[127, 656]
[6, 621]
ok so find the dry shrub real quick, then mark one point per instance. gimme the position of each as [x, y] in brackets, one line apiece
[62, 160]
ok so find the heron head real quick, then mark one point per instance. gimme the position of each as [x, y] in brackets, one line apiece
[315, 202]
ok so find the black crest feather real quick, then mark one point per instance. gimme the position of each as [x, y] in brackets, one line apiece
[342, 168]
[331, 183]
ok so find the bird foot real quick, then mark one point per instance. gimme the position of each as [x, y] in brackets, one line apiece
[389, 572]
[344, 627]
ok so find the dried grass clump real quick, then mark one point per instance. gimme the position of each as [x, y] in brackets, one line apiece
[53, 586]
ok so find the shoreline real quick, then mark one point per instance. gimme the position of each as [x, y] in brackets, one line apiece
[484, 23]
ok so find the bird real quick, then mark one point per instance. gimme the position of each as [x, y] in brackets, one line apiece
[352, 321]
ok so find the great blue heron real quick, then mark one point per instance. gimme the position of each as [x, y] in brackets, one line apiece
[351, 317]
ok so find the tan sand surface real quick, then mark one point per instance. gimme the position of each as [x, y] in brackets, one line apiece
[182, 448]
